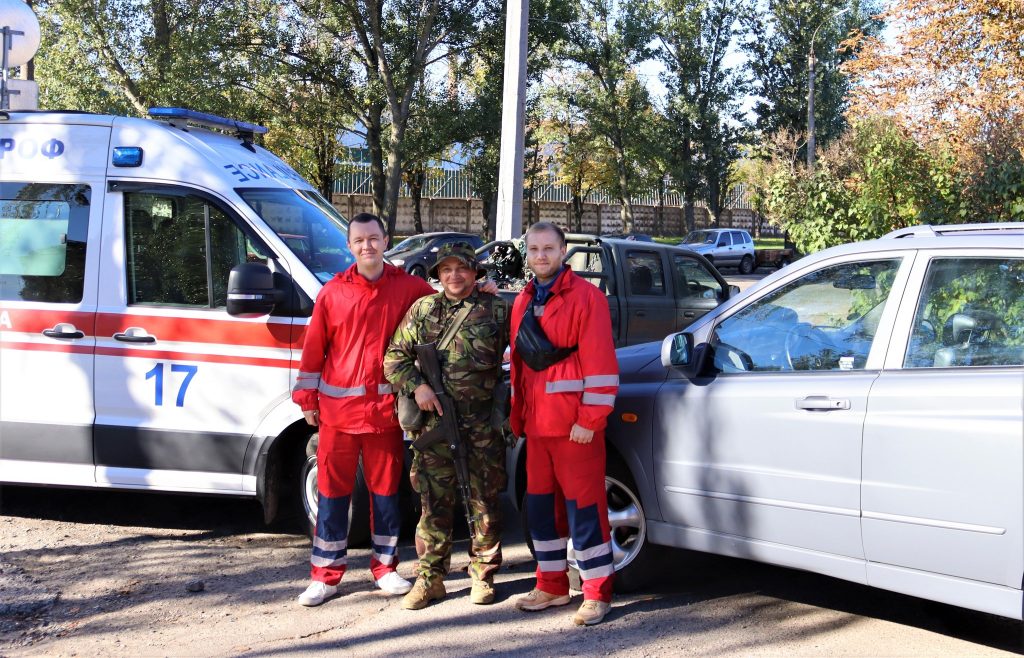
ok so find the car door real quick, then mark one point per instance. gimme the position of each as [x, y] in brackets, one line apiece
[49, 249]
[696, 290]
[944, 439]
[181, 385]
[651, 310]
[723, 250]
[761, 455]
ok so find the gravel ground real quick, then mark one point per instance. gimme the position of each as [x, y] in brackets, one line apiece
[126, 574]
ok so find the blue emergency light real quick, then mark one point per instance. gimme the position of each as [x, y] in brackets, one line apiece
[211, 121]
[127, 156]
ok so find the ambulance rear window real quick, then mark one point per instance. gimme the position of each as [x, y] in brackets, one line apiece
[43, 230]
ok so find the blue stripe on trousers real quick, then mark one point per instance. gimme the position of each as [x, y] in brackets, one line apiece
[584, 525]
[331, 524]
[540, 510]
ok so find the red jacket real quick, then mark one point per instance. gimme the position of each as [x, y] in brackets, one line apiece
[342, 368]
[581, 388]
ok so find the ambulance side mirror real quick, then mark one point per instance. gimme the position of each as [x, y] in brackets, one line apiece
[251, 290]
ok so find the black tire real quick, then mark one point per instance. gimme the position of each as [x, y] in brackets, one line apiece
[359, 511]
[418, 270]
[746, 265]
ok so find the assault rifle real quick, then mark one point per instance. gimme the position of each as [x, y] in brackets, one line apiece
[447, 429]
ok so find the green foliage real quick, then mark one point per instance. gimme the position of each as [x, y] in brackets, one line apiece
[876, 179]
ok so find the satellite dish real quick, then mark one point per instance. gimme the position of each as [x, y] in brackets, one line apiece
[19, 17]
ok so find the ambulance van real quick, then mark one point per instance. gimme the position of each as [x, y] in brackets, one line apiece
[156, 279]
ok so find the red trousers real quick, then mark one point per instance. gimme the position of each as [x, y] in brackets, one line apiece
[565, 496]
[337, 458]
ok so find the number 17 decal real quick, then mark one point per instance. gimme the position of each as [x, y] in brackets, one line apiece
[157, 374]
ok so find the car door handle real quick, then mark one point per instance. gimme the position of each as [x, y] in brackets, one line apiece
[640, 314]
[135, 335]
[688, 314]
[63, 330]
[822, 403]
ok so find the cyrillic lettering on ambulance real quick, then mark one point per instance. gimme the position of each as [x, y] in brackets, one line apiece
[27, 148]
[5, 320]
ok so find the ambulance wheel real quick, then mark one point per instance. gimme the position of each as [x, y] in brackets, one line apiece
[359, 511]
[635, 558]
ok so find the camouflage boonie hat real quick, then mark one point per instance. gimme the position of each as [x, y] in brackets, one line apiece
[461, 250]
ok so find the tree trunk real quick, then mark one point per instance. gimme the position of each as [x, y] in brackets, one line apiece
[378, 181]
[490, 213]
[326, 151]
[417, 178]
[691, 221]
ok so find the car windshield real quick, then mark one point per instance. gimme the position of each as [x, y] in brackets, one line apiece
[700, 237]
[411, 244]
[311, 227]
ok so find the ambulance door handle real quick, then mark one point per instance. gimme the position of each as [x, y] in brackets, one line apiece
[135, 335]
[63, 330]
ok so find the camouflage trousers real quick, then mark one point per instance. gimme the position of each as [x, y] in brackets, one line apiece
[433, 478]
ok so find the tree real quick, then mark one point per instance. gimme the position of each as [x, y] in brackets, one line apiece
[124, 57]
[778, 41]
[874, 179]
[380, 52]
[608, 41]
[703, 96]
[952, 73]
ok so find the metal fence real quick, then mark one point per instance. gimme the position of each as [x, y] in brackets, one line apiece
[457, 184]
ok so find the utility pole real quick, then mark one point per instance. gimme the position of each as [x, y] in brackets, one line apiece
[513, 114]
[811, 61]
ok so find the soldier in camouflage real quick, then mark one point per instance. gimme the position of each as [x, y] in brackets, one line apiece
[470, 360]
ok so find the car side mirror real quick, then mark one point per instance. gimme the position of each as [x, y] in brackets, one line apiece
[677, 350]
[733, 291]
[251, 290]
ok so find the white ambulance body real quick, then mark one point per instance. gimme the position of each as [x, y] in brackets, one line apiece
[120, 365]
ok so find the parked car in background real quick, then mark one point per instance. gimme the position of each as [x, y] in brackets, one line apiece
[723, 247]
[638, 237]
[856, 414]
[418, 253]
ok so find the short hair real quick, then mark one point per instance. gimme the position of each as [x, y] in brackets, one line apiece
[366, 218]
[546, 226]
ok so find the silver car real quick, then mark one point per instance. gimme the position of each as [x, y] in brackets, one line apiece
[723, 247]
[858, 414]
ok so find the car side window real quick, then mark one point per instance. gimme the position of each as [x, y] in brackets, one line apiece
[693, 280]
[645, 273]
[970, 313]
[181, 249]
[737, 237]
[724, 240]
[825, 320]
[43, 232]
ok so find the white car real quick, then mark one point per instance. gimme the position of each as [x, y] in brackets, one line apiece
[724, 248]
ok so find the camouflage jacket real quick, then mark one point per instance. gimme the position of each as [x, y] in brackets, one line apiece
[470, 363]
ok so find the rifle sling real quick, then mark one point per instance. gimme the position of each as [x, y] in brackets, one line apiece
[453, 328]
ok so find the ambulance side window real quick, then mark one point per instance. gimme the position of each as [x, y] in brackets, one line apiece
[181, 249]
[43, 232]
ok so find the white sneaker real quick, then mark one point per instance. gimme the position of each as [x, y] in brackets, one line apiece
[392, 583]
[317, 593]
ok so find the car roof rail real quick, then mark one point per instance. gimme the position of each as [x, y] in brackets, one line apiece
[930, 230]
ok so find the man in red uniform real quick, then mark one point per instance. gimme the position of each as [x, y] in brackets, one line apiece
[560, 402]
[342, 390]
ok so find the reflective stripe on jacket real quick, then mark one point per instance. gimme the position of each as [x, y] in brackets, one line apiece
[579, 389]
[342, 368]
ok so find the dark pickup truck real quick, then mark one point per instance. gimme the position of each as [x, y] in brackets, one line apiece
[653, 289]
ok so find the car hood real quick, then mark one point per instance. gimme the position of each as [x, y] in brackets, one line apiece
[637, 359]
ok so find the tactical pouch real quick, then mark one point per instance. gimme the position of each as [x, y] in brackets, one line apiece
[410, 416]
[533, 345]
[500, 405]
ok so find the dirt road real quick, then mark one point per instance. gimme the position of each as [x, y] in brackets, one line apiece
[112, 574]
